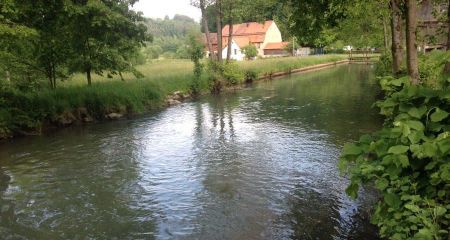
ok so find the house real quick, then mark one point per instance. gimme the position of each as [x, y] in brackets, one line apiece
[429, 27]
[266, 37]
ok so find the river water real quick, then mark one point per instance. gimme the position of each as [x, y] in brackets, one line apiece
[256, 164]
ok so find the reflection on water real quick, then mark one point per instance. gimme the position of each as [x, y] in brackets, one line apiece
[256, 164]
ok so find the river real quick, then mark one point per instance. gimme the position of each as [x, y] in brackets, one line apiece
[260, 163]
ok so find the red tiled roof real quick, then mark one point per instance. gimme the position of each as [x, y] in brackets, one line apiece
[250, 28]
[276, 46]
[243, 34]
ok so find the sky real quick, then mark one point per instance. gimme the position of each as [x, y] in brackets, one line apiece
[161, 8]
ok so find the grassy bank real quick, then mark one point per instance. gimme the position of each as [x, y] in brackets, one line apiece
[73, 102]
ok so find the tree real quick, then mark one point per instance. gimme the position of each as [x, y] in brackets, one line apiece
[362, 26]
[17, 62]
[219, 23]
[104, 33]
[411, 45]
[49, 48]
[250, 51]
[397, 39]
[196, 52]
[230, 16]
[308, 18]
[203, 5]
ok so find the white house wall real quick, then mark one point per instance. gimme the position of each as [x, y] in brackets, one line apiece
[236, 52]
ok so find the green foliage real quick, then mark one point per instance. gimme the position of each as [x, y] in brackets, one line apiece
[431, 66]
[23, 113]
[384, 66]
[105, 35]
[50, 39]
[362, 26]
[171, 37]
[250, 51]
[232, 73]
[196, 52]
[250, 76]
[308, 18]
[407, 161]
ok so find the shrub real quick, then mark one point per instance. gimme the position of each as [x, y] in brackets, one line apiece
[232, 73]
[384, 66]
[407, 161]
[431, 67]
[250, 51]
[250, 76]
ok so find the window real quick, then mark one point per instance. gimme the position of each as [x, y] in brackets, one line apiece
[235, 51]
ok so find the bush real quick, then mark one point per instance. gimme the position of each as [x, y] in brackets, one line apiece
[431, 67]
[407, 161]
[384, 66]
[250, 76]
[232, 73]
[250, 51]
[27, 112]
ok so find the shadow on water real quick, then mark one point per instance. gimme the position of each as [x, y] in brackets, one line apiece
[256, 164]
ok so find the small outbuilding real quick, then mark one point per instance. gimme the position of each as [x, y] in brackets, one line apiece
[276, 49]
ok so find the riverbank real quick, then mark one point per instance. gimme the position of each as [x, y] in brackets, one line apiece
[32, 113]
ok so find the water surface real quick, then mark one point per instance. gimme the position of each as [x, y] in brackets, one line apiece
[256, 164]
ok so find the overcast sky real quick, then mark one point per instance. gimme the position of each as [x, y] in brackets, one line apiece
[161, 8]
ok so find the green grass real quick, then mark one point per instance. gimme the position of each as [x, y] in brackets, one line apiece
[271, 65]
[176, 74]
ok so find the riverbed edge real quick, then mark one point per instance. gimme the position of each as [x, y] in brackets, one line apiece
[80, 117]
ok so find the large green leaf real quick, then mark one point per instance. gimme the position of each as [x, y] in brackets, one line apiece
[399, 149]
[417, 125]
[417, 112]
[393, 200]
[439, 115]
[351, 149]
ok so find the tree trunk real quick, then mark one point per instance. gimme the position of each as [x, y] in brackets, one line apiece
[411, 45]
[88, 76]
[230, 36]
[121, 76]
[8, 76]
[50, 75]
[447, 65]
[206, 28]
[54, 75]
[386, 35]
[397, 37]
[219, 30]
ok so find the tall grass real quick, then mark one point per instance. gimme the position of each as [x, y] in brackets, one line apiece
[271, 65]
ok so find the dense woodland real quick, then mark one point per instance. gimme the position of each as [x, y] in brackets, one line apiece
[171, 37]
[407, 161]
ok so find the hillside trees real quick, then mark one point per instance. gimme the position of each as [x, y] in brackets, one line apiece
[171, 36]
